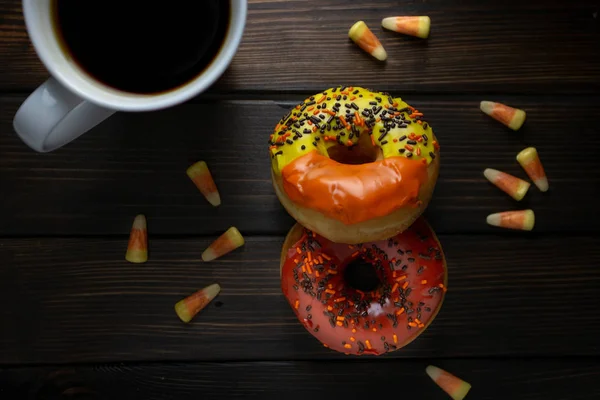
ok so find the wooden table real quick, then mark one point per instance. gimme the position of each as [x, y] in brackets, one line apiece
[521, 317]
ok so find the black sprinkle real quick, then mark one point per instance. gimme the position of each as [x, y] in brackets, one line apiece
[384, 142]
[401, 138]
[354, 106]
[432, 155]
[373, 103]
[303, 147]
[413, 142]
[382, 135]
[409, 155]
[356, 91]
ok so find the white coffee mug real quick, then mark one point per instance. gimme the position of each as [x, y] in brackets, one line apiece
[72, 102]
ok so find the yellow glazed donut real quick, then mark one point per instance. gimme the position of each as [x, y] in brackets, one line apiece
[354, 165]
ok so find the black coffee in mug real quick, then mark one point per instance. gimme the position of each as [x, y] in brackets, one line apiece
[142, 46]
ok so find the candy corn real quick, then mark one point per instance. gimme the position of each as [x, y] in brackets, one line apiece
[511, 117]
[229, 241]
[454, 386]
[413, 26]
[522, 219]
[530, 161]
[187, 308]
[366, 40]
[137, 249]
[511, 185]
[200, 175]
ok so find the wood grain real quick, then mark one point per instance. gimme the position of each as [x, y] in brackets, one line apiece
[135, 163]
[77, 300]
[511, 46]
[491, 379]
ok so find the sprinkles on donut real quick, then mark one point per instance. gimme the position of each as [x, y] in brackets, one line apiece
[354, 165]
[369, 298]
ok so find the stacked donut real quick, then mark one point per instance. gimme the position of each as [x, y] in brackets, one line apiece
[364, 273]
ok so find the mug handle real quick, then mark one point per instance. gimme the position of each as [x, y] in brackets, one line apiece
[52, 116]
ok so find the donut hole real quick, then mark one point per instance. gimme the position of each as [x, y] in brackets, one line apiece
[362, 153]
[361, 275]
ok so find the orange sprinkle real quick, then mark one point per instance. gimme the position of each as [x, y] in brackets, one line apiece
[378, 119]
[310, 108]
[368, 344]
[350, 89]
[339, 323]
[340, 318]
[412, 324]
[324, 345]
[309, 255]
[421, 325]
[395, 338]
[374, 329]
[395, 104]
[330, 286]
[400, 311]
[350, 302]
[349, 143]
[296, 260]
[355, 253]
[309, 269]
[419, 122]
[419, 138]
[329, 308]
[408, 147]
[395, 140]
[297, 304]
[325, 256]
[348, 346]
[412, 136]
[436, 145]
[329, 112]
[418, 151]
[316, 112]
[339, 299]
[393, 273]
[322, 99]
[272, 148]
[401, 278]
[298, 250]
[314, 129]
[329, 291]
[353, 330]
[424, 281]
[309, 122]
[373, 141]
[352, 98]
[332, 272]
[320, 259]
[303, 268]
[395, 287]
[317, 274]
[343, 120]
[352, 339]
[417, 321]
[405, 285]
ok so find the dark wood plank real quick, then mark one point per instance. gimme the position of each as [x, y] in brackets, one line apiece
[77, 300]
[136, 163]
[547, 379]
[475, 46]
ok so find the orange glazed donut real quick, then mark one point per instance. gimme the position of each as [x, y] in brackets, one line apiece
[354, 165]
[403, 282]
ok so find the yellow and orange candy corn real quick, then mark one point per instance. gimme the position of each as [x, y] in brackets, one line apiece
[229, 241]
[522, 219]
[137, 249]
[454, 386]
[530, 161]
[413, 26]
[189, 307]
[366, 40]
[200, 175]
[511, 117]
[511, 185]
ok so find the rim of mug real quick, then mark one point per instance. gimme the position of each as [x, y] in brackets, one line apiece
[109, 97]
